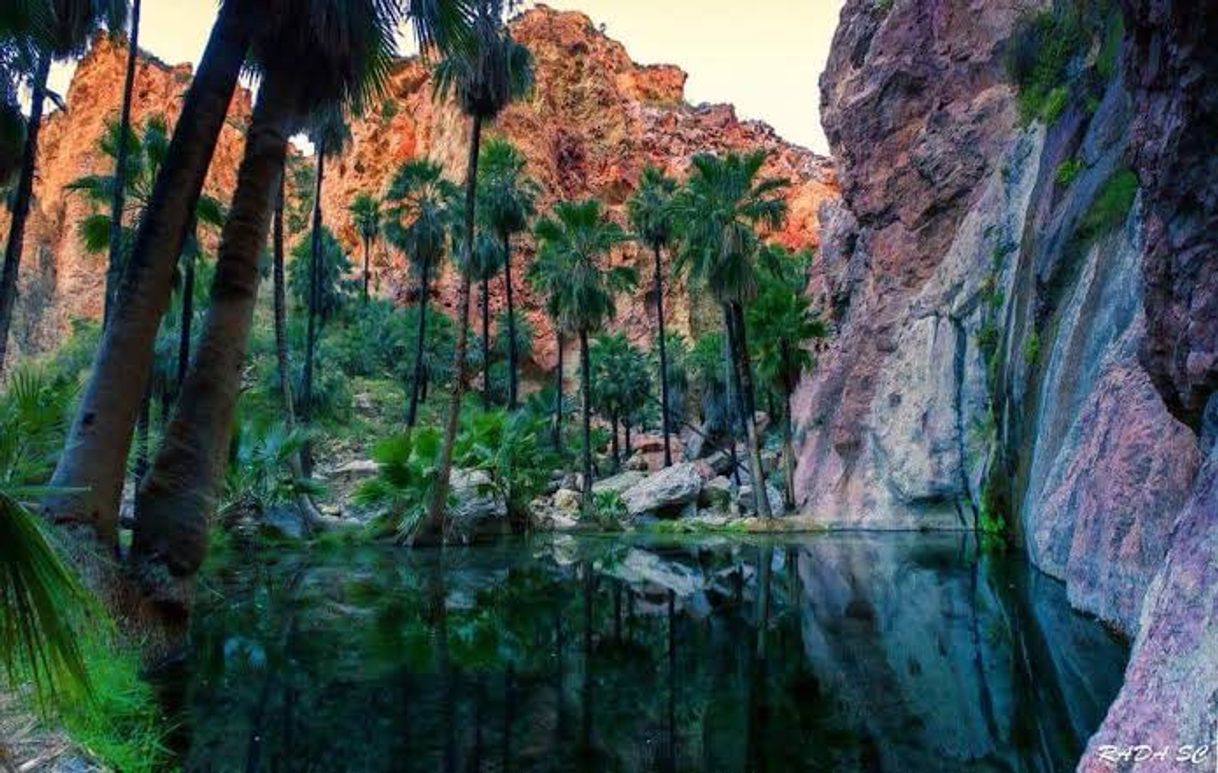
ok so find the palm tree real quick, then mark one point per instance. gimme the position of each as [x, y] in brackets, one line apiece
[114, 269]
[144, 155]
[650, 213]
[90, 470]
[23, 26]
[485, 264]
[484, 76]
[420, 202]
[547, 283]
[570, 270]
[64, 34]
[366, 215]
[620, 385]
[785, 323]
[719, 211]
[312, 53]
[330, 135]
[507, 200]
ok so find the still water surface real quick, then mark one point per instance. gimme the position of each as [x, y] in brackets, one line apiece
[829, 652]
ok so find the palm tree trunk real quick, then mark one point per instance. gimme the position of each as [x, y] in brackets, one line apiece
[142, 430]
[431, 529]
[114, 271]
[90, 470]
[308, 510]
[626, 438]
[281, 313]
[585, 375]
[617, 456]
[367, 249]
[417, 385]
[513, 383]
[21, 207]
[311, 333]
[189, 255]
[558, 396]
[178, 497]
[664, 416]
[743, 369]
[486, 342]
[788, 443]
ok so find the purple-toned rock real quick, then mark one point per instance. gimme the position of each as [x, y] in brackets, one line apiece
[1170, 696]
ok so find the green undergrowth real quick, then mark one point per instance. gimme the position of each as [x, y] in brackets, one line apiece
[1111, 206]
[120, 723]
[682, 526]
[1063, 54]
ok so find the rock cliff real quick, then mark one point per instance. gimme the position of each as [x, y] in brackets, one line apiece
[60, 279]
[1023, 289]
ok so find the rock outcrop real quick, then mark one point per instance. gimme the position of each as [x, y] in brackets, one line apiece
[60, 280]
[1026, 315]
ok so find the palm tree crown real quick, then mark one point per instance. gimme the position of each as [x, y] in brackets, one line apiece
[719, 212]
[568, 269]
[507, 198]
[491, 71]
[365, 212]
[650, 209]
[419, 211]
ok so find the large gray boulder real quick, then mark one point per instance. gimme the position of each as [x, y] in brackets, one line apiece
[666, 492]
[619, 483]
[477, 510]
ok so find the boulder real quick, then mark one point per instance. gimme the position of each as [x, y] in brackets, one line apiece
[355, 469]
[618, 483]
[646, 569]
[477, 509]
[638, 463]
[774, 496]
[567, 502]
[665, 492]
[717, 493]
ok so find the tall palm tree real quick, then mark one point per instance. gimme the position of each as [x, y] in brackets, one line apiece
[484, 76]
[485, 264]
[570, 269]
[64, 34]
[330, 135]
[785, 323]
[650, 213]
[719, 212]
[507, 201]
[420, 203]
[23, 25]
[114, 268]
[366, 215]
[312, 53]
[90, 470]
[620, 385]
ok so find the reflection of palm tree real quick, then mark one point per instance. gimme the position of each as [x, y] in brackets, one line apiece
[758, 714]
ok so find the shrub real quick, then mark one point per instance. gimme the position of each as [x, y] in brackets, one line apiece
[513, 449]
[406, 475]
[1031, 348]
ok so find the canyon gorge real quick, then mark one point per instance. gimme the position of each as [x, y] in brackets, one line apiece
[1023, 294]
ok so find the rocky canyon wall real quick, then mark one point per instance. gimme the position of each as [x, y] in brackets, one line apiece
[1025, 314]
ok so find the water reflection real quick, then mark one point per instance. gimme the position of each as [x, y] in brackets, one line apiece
[893, 652]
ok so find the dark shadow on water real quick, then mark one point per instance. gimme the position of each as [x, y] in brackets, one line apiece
[830, 652]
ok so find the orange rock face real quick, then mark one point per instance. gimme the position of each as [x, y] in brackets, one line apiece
[594, 121]
[60, 280]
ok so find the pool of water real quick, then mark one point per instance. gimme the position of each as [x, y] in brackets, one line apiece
[829, 652]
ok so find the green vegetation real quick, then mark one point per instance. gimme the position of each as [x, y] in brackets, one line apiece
[1068, 171]
[1110, 207]
[1047, 57]
[1031, 348]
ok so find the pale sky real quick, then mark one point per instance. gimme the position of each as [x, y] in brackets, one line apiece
[763, 56]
